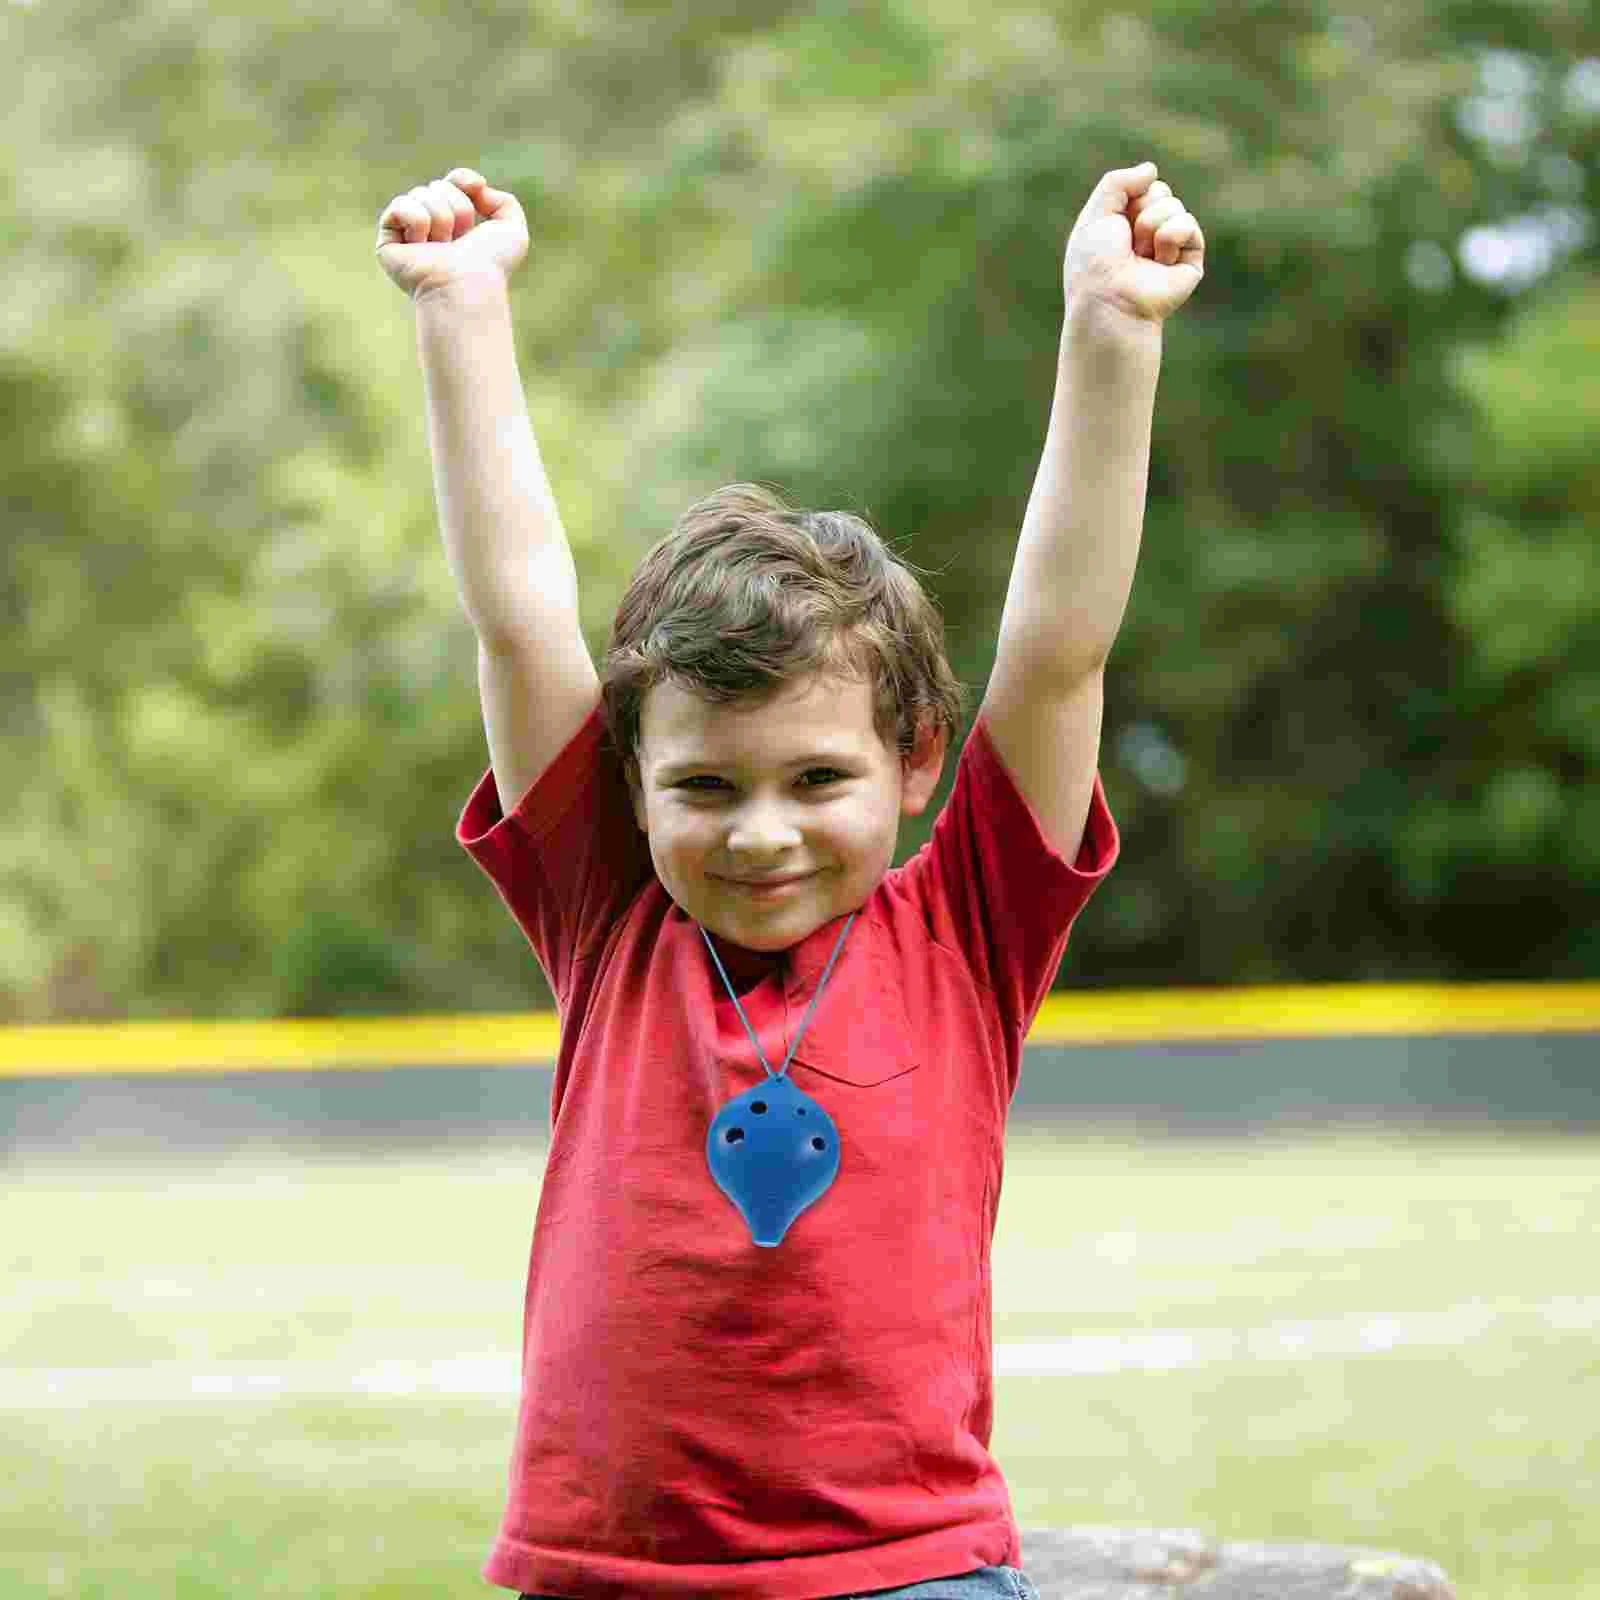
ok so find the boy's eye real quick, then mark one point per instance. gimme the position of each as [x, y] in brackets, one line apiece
[828, 775]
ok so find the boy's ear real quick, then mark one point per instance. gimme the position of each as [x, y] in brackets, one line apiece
[635, 794]
[920, 770]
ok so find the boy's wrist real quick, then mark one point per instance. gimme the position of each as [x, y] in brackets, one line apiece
[477, 291]
[1091, 323]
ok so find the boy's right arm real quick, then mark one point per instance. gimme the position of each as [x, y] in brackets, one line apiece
[503, 534]
[452, 246]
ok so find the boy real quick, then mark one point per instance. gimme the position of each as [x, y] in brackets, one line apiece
[757, 1329]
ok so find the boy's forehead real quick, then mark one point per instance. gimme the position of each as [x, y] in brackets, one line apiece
[820, 712]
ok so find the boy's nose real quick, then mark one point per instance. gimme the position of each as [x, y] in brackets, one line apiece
[760, 834]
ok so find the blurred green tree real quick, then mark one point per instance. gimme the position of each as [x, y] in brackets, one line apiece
[1350, 723]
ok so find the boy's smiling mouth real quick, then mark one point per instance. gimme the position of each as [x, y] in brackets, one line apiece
[762, 887]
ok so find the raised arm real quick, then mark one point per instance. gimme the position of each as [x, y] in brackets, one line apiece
[1134, 257]
[502, 530]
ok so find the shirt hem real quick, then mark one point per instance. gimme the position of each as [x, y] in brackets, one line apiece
[533, 1569]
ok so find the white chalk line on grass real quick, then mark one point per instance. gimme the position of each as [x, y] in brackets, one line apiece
[1078, 1355]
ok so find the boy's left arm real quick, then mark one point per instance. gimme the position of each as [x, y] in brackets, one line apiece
[1134, 257]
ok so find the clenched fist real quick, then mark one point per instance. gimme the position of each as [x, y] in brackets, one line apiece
[1135, 247]
[453, 228]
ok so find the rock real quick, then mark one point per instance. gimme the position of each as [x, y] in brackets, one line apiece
[1173, 1563]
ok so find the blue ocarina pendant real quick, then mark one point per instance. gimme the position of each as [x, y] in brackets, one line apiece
[773, 1151]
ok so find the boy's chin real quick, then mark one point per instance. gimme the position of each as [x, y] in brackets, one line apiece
[769, 935]
[769, 929]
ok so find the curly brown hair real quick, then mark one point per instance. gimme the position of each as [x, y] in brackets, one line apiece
[748, 593]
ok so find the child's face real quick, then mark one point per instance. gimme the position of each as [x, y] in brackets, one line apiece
[800, 787]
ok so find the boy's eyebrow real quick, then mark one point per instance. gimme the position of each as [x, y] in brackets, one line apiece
[679, 769]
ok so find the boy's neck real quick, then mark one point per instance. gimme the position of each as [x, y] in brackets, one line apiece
[745, 965]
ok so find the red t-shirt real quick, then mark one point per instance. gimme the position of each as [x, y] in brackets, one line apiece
[701, 1415]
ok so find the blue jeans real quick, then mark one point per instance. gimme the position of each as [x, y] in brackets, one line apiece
[987, 1583]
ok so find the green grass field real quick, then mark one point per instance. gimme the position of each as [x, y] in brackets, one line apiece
[1475, 1442]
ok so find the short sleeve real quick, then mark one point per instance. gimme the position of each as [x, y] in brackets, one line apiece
[570, 858]
[994, 889]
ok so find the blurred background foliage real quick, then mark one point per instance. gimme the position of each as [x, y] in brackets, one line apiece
[1353, 719]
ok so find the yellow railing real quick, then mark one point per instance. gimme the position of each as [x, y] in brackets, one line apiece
[518, 1038]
